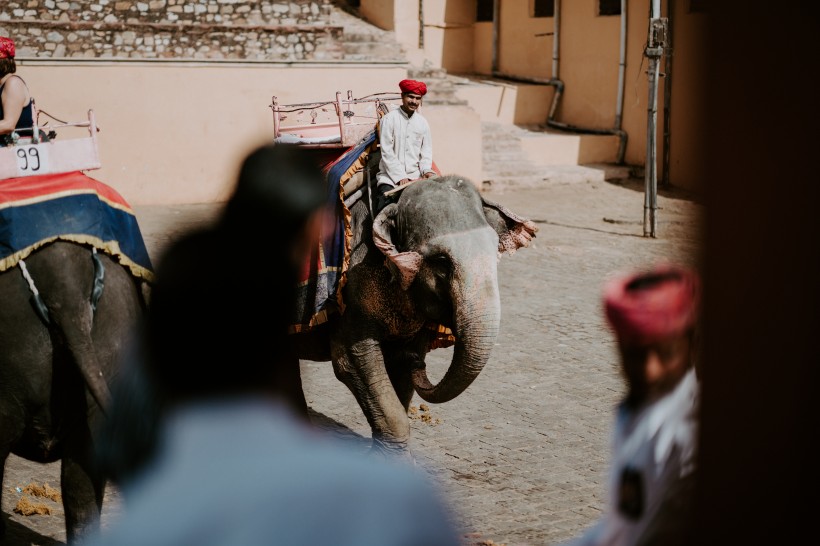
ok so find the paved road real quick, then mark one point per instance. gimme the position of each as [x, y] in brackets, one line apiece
[522, 454]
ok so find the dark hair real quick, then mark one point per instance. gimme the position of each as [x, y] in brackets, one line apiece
[7, 66]
[223, 297]
[279, 187]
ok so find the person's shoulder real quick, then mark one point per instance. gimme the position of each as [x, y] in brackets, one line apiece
[15, 83]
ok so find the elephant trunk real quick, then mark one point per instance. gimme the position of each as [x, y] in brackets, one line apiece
[477, 319]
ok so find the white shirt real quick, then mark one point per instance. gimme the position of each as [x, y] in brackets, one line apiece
[406, 147]
[656, 442]
[246, 473]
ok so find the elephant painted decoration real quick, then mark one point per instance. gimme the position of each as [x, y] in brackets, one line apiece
[427, 261]
[56, 364]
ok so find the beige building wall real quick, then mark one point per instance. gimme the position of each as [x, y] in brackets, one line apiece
[456, 140]
[175, 132]
[636, 89]
[523, 48]
[483, 48]
[379, 13]
[588, 64]
[448, 28]
[688, 125]
[447, 25]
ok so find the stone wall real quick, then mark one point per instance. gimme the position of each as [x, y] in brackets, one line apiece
[172, 29]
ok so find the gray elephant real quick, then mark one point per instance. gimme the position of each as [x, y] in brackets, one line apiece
[428, 260]
[63, 327]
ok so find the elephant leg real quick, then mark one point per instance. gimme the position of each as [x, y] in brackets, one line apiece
[10, 431]
[82, 488]
[400, 372]
[401, 359]
[360, 366]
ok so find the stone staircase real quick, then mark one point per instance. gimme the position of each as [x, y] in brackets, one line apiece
[441, 87]
[506, 166]
[504, 162]
[362, 41]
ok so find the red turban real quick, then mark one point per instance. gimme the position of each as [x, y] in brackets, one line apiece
[6, 48]
[653, 305]
[413, 86]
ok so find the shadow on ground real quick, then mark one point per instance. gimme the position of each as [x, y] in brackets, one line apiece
[20, 535]
[639, 185]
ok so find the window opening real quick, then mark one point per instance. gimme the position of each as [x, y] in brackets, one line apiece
[609, 7]
[484, 11]
[543, 8]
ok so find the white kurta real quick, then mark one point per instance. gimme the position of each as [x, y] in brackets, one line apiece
[406, 146]
[656, 446]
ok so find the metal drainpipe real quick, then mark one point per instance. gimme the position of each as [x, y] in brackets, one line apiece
[667, 96]
[496, 10]
[421, 24]
[619, 105]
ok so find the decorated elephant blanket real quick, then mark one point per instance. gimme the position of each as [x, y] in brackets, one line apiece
[318, 289]
[37, 210]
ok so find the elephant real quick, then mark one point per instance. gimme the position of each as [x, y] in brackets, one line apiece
[61, 339]
[428, 259]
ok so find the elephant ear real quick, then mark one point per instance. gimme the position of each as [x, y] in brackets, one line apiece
[403, 265]
[513, 231]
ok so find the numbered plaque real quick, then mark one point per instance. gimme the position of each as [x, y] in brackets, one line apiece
[32, 159]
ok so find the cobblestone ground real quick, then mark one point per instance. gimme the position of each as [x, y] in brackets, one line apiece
[522, 454]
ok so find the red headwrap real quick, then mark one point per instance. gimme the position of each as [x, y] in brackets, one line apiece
[6, 48]
[413, 86]
[657, 304]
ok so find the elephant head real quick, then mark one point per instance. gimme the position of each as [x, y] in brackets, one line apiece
[443, 242]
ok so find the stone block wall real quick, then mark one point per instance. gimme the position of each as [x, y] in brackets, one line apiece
[172, 29]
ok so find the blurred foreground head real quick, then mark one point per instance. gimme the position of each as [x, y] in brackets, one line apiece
[654, 314]
[223, 297]
[279, 187]
[652, 305]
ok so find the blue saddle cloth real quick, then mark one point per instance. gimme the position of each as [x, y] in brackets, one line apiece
[319, 283]
[37, 210]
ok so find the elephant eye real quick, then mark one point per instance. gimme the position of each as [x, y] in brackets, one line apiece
[441, 266]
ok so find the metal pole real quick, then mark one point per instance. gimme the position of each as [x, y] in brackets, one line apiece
[650, 204]
[654, 51]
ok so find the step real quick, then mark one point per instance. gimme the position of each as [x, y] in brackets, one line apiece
[362, 41]
[548, 147]
[504, 102]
